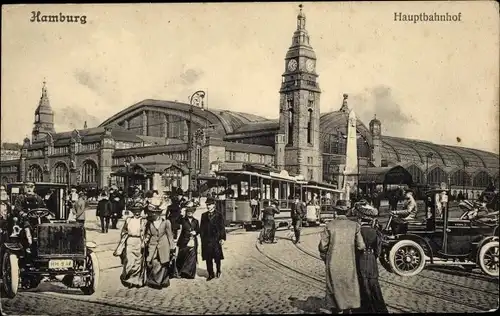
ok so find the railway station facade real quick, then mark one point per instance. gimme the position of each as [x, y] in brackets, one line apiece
[158, 143]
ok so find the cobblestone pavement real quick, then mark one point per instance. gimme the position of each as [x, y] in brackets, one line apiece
[253, 280]
[436, 289]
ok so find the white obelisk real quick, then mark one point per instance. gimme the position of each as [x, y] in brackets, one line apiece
[351, 155]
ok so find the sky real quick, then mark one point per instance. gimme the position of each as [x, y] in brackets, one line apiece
[435, 81]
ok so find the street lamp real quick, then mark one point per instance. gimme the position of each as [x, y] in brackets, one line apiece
[427, 157]
[466, 164]
[126, 184]
[195, 100]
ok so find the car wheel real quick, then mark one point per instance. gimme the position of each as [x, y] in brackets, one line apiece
[407, 258]
[10, 274]
[92, 282]
[488, 258]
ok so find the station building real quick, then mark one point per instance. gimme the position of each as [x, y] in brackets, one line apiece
[149, 142]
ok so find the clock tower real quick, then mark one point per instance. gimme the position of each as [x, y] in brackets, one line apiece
[300, 108]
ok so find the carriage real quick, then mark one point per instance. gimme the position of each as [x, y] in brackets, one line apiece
[59, 249]
[470, 240]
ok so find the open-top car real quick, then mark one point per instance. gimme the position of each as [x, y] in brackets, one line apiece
[58, 249]
[469, 240]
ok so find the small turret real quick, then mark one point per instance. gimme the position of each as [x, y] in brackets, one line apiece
[375, 126]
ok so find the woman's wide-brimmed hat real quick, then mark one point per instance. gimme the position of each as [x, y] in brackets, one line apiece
[156, 205]
[190, 209]
[366, 212]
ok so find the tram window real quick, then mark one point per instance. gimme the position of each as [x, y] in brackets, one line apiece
[267, 191]
[234, 187]
[244, 188]
[276, 193]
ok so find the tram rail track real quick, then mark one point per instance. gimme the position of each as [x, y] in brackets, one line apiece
[440, 296]
[302, 276]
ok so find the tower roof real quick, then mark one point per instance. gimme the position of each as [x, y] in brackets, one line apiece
[44, 103]
[300, 41]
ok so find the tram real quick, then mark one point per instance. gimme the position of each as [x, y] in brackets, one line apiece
[249, 192]
[319, 198]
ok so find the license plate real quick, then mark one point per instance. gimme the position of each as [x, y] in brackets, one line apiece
[60, 264]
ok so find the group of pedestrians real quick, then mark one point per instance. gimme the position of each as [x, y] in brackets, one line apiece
[350, 250]
[160, 241]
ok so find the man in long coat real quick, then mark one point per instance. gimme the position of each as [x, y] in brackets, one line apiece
[213, 235]
[337, 248]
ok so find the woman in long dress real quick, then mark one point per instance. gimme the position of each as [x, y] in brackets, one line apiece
[187, 257]
[160, 247]
[372, 300]
[130, 248]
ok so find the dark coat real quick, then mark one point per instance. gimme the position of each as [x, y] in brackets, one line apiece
[186, 228]
[212, 230]
[269, 212]
[174, 214]
[104, 208]
[298, 210]
[367, 259]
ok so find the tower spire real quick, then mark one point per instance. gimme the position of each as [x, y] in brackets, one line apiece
[301, 19]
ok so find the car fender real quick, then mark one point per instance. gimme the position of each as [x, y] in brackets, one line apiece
[420, 240]
[13, 246]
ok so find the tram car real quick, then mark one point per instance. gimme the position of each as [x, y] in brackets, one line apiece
[470, 240]
[319, 198]
[250, 192]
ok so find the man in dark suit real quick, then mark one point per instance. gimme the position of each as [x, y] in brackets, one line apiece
[298, 212]
[213, 235]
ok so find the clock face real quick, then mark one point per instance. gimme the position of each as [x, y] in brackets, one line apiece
[292, 65]
[310, 65]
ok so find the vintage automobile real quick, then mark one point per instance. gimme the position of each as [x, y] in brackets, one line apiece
[59, 249]
[470, 240]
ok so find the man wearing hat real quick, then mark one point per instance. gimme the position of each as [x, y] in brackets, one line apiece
[298, 211]
[372, 300]
[339, 240]
[25, 202]
[409, 211]
[213, 235]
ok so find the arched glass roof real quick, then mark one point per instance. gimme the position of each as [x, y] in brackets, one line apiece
[403, 150]
[333, 121]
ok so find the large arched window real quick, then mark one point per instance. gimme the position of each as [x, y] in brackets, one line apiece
[35, 173]
[61, 173]
[89, 172]
[482, 179]
[437, 176]
[416, 174]
[460, 178]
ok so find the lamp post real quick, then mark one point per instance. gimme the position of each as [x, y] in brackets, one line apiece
[429, 155]
[463, 178]
[196, 99]
[126, 184]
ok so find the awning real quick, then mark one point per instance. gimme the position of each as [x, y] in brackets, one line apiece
[209, 177]
[385, 175]
[149, 165]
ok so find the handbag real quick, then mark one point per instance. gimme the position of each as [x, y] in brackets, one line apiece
[190, 243]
